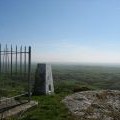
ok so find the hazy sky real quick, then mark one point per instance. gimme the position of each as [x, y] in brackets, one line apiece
[63, 30]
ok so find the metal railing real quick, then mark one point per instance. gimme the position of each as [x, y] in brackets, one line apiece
[15, 74]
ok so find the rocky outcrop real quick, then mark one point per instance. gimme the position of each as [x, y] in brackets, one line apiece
[95, 105]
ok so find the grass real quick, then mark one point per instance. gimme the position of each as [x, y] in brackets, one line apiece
[49, 108]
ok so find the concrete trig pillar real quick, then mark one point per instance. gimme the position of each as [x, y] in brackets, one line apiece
[43, 80]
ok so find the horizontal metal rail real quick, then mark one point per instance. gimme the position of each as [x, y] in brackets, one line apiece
[14, 97]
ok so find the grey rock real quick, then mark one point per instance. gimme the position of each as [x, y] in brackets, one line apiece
[103, 104]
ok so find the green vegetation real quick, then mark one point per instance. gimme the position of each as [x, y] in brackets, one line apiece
[49, 108]
[67, 80]
[98, 77]
[10, 87]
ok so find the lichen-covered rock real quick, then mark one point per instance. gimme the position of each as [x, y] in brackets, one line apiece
[103, 104]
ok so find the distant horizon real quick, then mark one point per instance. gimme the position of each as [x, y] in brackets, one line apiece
[80, 63]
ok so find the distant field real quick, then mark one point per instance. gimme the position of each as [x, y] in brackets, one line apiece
[100, 77]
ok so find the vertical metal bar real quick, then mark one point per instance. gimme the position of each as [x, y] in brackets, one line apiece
[16, 61]
[3, 61]
[25, 61]
[6, 59]
[6, 76]
[11, 62]
[0, 62]
[29, 74]
[3, 82]
[8, 64]
[0, 69]
[21, 60]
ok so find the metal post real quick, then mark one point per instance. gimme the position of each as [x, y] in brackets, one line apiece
[8, 64]
[3, 82]
[16, 61]
[29, 74]
[0, 67]
[11, 61]
[21, 60]
[25, 61]
[6, 59]
[3, 61]
[0, 61]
